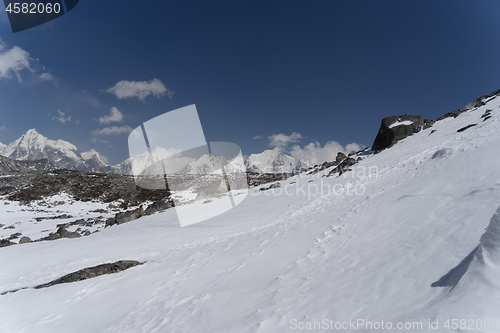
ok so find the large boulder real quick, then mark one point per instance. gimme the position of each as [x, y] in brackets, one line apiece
[395, 128]
[157, 206]
[125, 217]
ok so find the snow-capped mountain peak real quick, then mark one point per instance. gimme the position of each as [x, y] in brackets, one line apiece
[93, 154]
[273, 161]
[34, 146]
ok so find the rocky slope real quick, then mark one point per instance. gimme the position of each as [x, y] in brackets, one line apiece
[10, 165]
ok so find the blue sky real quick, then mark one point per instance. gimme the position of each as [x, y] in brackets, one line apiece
[314, 72]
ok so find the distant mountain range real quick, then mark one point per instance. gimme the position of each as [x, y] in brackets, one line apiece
[33, 146]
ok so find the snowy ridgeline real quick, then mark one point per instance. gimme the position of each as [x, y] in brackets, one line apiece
[409, 236]
[33, 146]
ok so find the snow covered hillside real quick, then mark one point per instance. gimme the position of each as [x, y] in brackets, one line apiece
[409, 236]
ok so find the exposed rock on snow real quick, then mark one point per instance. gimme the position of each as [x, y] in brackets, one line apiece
[466, 127]
[275, 185]
[92, 272]
[156, 207]
[24, 240]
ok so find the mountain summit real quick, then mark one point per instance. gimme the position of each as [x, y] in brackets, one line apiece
[274, 161]
[34, 146]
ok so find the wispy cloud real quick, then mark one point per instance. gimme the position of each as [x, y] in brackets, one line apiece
[113, 130]
[62, 117]
[47, 77]
[115, 116]
[13, 61]
[140, 89]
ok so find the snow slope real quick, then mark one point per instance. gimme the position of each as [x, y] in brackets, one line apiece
[295, 256]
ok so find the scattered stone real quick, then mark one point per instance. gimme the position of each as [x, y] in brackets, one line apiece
[5, 242]
[256, 179]
[58, 217]
[14, 236]
[10, 227]
[343, 167]
[275, 185]
[433, 131]
[87, 233]
[100, 210]
[466, 127]
[6, 190]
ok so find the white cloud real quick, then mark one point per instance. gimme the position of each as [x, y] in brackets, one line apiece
[115, 116]
[140, 89]
[113, 130]
[13, 61]
[47, 77]
[314, 153]
[62, 117]
[282, 140]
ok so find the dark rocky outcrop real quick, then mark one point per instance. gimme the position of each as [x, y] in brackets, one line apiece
[388, 136]
[92, 272]
[125, 217]
[340, 157]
